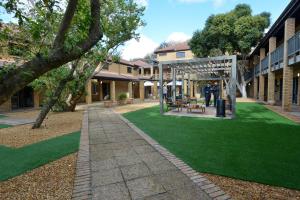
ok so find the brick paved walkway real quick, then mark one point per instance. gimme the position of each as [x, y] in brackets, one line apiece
[125, 166]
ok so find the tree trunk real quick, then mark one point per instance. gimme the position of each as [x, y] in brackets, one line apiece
[53, 99]
[20, 76]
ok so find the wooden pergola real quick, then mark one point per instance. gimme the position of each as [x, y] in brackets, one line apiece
[211, 68]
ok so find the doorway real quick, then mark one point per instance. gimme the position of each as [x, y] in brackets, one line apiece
[106, 91]
[23, 98]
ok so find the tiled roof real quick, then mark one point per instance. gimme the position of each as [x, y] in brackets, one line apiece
[141, 63]
[114, 76]
[176, 47]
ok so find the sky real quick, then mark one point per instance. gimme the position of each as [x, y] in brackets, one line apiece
[176, 20]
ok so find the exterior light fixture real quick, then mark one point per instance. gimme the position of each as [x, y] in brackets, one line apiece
[298, 74]
[100, 82]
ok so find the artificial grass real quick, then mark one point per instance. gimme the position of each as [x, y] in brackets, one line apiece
[259, 145]
[4, 126]
[14, 162]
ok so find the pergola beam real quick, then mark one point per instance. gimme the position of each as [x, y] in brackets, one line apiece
[211, 68]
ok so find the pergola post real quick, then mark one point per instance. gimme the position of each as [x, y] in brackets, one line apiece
[161, 98]
[189, 85]
[233, 85]
[211, 68]
[173, 84]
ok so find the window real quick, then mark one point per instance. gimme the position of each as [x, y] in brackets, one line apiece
[180, 54]
[162, 54]
[129, 70]
[140, 71]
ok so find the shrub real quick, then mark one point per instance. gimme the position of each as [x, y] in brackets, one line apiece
[122, 96]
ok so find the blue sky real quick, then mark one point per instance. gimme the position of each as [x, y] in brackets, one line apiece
[176, 20]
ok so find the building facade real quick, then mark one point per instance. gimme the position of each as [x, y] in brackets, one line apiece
[181, 51]
[275, 63]
[118, 78]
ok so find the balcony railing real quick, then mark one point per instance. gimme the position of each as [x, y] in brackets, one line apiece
[277, 58]
[265, 65]
[294, 48]
[257, 70]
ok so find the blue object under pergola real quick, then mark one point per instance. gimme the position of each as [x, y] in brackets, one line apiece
[197, 69]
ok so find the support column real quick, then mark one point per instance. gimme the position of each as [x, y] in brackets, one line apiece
[142, 90]
[262, 54]
[189, 85]
[100, 91]
[222, 90]
[36, 99]
[195, 89]
[298, 98]
[184, 87]
[255, 95]
[173, 84]
[289, 31]
[161, 100]
[88, 89]
[271, 75]
[113, 91]
[155, 94]
[191, 88]
[129, 89]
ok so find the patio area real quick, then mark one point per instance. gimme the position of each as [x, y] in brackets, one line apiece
[210, 112]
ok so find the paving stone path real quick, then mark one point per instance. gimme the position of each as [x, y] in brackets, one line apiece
[125, 166]
[15, 121]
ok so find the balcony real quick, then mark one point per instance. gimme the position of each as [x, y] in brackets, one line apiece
[265, 65]
[257, 70]
[294, 49]
[277, 58]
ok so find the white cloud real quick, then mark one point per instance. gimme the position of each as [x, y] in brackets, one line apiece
[142, 2]
[138, 49]
[178, 37]
[216, 3]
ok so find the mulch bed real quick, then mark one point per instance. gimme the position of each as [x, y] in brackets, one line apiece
[239, 189]
[55, 124]
[52, 181]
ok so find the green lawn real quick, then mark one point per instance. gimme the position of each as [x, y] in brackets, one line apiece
[14, 162]
[258, 146]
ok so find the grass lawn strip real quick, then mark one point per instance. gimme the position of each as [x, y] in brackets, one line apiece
[17, 161]
[4, 126]
[259, 146]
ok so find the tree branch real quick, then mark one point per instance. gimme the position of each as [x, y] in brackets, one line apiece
[66, 22]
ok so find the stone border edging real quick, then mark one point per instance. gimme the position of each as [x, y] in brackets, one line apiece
[203, 183]
[82, 184]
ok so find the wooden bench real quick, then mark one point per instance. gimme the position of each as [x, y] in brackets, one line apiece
[196, 107]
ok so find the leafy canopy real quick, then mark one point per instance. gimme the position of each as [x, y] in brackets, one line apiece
[233, 32]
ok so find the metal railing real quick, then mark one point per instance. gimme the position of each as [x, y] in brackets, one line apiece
[277, 58]
[294, 44]
[265, 65]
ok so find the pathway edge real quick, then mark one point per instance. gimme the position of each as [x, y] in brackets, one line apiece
[203, 183]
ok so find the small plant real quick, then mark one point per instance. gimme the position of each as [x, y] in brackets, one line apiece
[122, 97]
